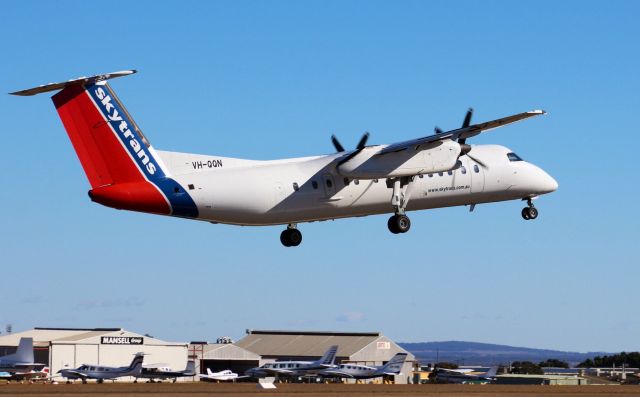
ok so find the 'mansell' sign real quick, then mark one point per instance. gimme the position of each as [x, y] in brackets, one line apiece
[121, 340]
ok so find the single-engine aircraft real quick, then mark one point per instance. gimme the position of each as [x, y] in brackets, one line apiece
[160, 372]
[222, 376]
[441, 170]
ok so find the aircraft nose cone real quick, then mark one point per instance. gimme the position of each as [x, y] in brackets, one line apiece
[546, 183]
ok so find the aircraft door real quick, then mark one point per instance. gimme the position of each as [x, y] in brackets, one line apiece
[477, 177]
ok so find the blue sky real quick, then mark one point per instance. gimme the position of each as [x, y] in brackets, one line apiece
[271, 80]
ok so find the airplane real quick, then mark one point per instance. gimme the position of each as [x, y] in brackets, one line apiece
[441, 170]
[295, 368]
[225, 375]
[445, 375]
[162, 372]
[357, 371]
[101, 372]
[22, 360]
[32, 375]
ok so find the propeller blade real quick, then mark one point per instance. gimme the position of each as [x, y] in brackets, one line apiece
[336, 144]
[467, 118]
[465, 124]
[483, 165]
[363, 141]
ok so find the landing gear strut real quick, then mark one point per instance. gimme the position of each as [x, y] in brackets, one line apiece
[530, 212]
[291, 236]
[400, 223]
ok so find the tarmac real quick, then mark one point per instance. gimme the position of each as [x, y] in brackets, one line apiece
[200, 389]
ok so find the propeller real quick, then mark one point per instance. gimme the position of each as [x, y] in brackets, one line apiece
[361, 144]
[339, 148]
[465, 149]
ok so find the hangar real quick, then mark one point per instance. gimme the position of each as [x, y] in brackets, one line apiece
[221, 356]
[368, 348]
[71, 347]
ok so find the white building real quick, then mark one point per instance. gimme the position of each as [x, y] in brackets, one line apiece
[71, 347]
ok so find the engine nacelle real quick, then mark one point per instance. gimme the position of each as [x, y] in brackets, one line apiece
[437, 157]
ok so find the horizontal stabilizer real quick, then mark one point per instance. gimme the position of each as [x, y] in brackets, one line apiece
[78, 81]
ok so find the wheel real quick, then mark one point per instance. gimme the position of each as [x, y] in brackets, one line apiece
[533, 213]
[525, 213]
[284, 238]
[391, 224]
[295, 237]
[399, 224]
[291, 237]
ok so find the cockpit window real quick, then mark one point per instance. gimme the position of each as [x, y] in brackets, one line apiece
[513, 157]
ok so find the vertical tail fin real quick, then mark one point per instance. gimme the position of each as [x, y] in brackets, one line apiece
[190, 370]
[492, 372]
[24, 354]
[394, 366]
[329, 356]
[122, 167]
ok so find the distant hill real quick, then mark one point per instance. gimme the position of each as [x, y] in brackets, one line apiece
[474, 353]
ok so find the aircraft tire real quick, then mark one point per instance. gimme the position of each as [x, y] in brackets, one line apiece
[525, 213]
[399, 224]
[391, 224]
[291, 237]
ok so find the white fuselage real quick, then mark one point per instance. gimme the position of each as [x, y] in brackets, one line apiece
[246, 192]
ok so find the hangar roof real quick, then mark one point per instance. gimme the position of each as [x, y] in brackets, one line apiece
[43, 336]
[308, 343]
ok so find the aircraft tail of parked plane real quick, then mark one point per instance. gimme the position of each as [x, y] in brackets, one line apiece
[394, 366]
[24, 353]
[329, 357]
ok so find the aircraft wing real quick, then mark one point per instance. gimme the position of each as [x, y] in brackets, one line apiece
[75, 373]
[337, 373]
[460, 133]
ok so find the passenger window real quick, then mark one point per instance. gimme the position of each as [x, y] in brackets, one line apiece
[346, 181]
[513, 157]
[430, 175]
[295, 186]
[314, 184]
[440, 173]
[329, 183]
[463, 170]
[421, 176]
[356, 181]
[450, 172]
[476, 169]
[375, 180]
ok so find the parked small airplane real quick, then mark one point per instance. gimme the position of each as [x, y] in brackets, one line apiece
[295, 368]
[357, 371]
[101, 372]
[22, 360]
[162, 372]
[445, 375]
[31, 376]
[225, 375]
[126, 172]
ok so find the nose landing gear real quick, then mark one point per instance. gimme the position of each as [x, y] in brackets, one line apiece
[530, 212]
[291, 236]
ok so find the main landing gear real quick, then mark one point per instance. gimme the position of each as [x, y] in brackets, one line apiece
[400, 223]
[530, 212]
[291, 236]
